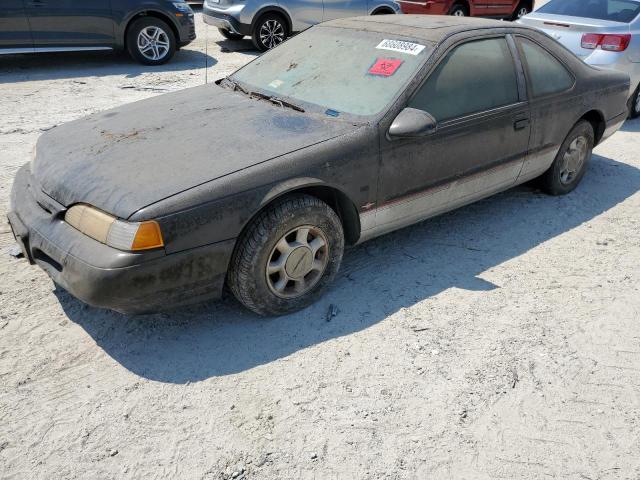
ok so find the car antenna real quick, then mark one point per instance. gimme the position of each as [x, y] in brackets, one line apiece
[206, 53]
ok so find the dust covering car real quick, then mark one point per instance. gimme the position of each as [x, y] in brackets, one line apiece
[352, 129]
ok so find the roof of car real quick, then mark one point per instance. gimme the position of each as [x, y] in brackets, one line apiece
[431, 28]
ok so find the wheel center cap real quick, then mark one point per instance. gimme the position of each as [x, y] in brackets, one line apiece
[299, 262]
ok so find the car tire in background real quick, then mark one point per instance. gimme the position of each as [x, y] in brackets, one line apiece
[287, 256]
[150, 41]
[634, 104]
[229, 35]
[522, 10]
[269, 31]
[572, 160]
[459, 10]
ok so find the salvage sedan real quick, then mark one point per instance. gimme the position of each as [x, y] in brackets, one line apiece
[355, 128]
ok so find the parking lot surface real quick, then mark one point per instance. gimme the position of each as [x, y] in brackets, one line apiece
[498, 341]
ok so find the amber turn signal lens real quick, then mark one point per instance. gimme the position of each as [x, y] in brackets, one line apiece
[148, 236]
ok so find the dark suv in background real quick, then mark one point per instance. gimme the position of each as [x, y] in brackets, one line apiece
[150, 30]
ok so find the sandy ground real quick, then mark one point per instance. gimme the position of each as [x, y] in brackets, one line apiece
[498, 341]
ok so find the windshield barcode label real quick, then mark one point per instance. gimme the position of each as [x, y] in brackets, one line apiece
[400, 46]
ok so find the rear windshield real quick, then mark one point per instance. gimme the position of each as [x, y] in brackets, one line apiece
[613, 10]
[339, 70]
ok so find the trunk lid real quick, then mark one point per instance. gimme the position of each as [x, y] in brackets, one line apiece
[569, 30]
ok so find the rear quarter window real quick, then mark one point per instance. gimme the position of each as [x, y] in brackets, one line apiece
[546, 74]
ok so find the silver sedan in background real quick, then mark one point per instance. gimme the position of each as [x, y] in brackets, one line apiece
[604, 33]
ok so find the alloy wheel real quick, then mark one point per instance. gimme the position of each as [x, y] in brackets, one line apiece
[153, 43]
[522, 12]
[297, 262]
[272, 33]
[573, 160]
[459, 13]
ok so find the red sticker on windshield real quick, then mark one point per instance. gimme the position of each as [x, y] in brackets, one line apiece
[385, 66]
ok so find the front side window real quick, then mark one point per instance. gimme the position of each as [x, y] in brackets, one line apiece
[546, 74]
[473, 77]
[613, 10]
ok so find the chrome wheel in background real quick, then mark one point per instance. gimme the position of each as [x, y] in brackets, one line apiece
[153, 43]
[272, 33]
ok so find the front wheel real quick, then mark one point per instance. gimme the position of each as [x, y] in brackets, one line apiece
[229, 35]
[269, 31]
[150, 41]
[570, 164]
[287, 256]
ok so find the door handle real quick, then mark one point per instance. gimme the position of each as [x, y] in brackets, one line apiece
[521, 124]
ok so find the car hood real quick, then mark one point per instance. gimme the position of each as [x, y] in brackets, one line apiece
[130, 157]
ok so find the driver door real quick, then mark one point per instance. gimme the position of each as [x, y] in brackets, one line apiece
[480, 143]
[493, 8]
[71, 23]
[14, 27]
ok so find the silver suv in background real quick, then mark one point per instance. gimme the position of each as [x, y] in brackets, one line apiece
[604, 33]
[270, 22]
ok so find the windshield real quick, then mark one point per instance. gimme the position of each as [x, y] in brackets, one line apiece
[613, 10]
[339, 70]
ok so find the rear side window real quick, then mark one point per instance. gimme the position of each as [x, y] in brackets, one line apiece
[473, 77]
[613, 10]
[546, 74]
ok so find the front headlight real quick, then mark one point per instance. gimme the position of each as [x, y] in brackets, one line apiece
[182, 6]
[111, 231]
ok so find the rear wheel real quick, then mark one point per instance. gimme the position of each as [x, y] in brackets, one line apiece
[150, 41]
[287, 256]
[522, 10]
[228, 34]
[634, 104]
[570, 164]
[459, 10]
[269, 31]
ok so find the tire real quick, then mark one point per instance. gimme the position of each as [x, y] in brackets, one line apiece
[459, 10]
[567, 170]
[634, 104]
[522, 10]
[275, 291]
[229, 35]
[269, 24]
[150, 29]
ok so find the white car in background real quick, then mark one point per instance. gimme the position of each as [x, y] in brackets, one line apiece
[604, 33]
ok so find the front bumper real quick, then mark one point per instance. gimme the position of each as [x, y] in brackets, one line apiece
[103, 276]
[186, 29]
[228, 19]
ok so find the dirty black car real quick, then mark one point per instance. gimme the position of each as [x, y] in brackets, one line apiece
[349, 130]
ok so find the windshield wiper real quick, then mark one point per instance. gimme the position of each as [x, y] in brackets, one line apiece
[284, 103]
[271, 98]
[236, 86]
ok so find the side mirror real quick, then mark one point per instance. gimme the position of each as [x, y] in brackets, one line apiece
[412, 123]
